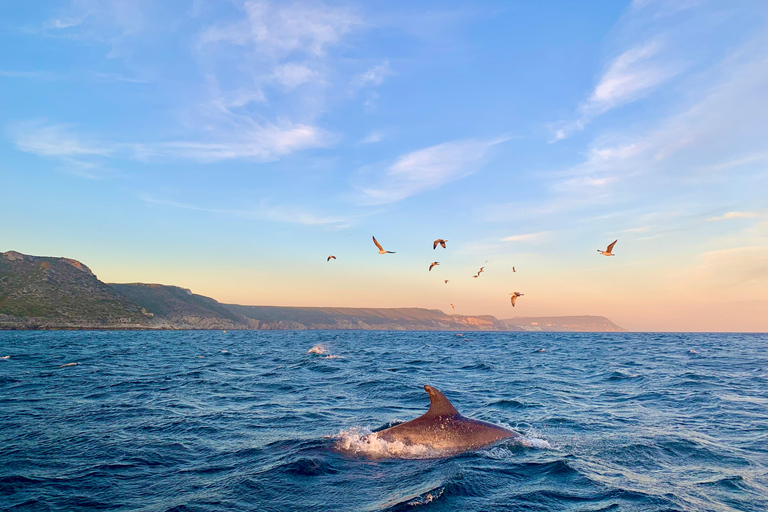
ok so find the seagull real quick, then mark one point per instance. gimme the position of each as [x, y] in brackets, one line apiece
[446, 281]
[476, 276]
[453, 307]
[515, 295]
[608, 252]
[434, 264]
[381, 249]
[331, 257]
[513, 269]
[482, 269]
[438, 241]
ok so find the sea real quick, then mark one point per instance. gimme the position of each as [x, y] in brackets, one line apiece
[281, 421]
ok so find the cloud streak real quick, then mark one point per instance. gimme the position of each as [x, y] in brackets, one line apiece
[264, 211]
[629, 77]
[528, 237]
[733, 215]
[426, 169]
[259, 143]
[55, 140]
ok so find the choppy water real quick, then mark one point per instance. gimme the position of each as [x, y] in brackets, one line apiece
[203, 421]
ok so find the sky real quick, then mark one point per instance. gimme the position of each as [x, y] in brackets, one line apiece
[229, 147]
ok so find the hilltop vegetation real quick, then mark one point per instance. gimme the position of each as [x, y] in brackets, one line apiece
[46, 292]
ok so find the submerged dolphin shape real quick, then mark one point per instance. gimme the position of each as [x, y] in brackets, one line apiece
[443, 429]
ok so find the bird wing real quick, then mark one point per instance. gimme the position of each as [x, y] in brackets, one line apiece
[513, 298]
[610, 247]
[442, 243]
[377, 243]
[434, 244]
[430, 266]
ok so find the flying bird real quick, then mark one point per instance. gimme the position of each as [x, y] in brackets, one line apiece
[331, 257]
[433, 264]
[446, 281]
[381, 249]
[513, 269]
[514, 297]
[453, 307]
[608, 252]
[438, 241]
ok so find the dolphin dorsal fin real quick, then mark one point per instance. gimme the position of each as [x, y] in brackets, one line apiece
[438, 404]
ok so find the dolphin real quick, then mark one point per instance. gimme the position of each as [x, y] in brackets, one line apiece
[443, 429]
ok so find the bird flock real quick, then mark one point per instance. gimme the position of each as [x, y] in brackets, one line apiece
[442, 243]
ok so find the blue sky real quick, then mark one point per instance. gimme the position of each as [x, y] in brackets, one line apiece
[229, 147]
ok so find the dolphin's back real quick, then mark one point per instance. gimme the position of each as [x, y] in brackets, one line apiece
[444, 429]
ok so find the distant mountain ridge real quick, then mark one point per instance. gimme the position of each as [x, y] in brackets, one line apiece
[583, 323]
[39, 292]
[382, 319]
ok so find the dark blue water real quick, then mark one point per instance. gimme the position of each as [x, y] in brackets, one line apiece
[202, 421]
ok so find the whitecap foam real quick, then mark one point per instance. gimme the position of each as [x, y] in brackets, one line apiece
[332, 356]
[361, 441]
[318, 349]
[505, 450]
[427, 498]
[534, 442]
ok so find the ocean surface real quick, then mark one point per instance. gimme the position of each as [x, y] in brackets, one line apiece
[213, 421]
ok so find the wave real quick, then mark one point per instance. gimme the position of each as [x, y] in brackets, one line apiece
[361, 441]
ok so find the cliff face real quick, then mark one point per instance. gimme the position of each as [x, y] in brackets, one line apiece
[585, 323]
[390, 319]
[42, 292]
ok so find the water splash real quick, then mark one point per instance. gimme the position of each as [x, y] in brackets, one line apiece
[361, 441]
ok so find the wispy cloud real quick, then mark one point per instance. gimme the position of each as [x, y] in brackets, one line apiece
[630, 76]
[266, 104]
[261, 143]
[56, 140]
[264, 211]
[372, 138]
[426, 169]
[294, 74]
[280, 29]
[33, 75]
[373, 76]
[528, 237]
[734, 215]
